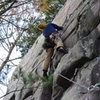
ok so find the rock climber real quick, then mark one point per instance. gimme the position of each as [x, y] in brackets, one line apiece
[52, 39]
[9, 1]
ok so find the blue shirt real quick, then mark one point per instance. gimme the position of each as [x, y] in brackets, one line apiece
[50, 28]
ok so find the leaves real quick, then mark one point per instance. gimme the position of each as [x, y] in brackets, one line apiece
[47, 82]
[30, 78]
[50, 9]
[18, 26]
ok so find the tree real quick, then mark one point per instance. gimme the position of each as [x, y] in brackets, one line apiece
[48, 9]
[18, 27]
[13, 26]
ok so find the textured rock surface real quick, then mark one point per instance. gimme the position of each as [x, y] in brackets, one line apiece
[84, 78]
[81, 35]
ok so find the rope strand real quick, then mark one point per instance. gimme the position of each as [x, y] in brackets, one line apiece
[89, 89]
[73, 82]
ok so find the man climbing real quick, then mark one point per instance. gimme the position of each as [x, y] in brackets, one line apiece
[9, 1]
[52, 38]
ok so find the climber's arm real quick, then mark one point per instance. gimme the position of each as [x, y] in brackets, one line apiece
[57, 27]
[9, 1]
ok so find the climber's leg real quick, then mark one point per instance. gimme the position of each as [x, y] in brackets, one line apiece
[59, 44]
[47, 60]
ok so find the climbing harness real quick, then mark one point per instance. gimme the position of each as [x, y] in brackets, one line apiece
[55, 35]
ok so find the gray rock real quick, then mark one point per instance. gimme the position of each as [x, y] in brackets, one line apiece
[84, 78]
[81, 36]
[81, 53]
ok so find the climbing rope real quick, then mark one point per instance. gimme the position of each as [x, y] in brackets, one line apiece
[92, 88]
[73, 81]
[89, 89]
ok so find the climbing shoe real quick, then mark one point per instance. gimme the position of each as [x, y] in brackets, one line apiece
[62, 50]
[45, 74]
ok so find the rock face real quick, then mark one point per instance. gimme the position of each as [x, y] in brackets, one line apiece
[77, 74]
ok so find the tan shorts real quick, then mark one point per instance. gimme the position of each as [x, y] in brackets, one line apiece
[58, 43]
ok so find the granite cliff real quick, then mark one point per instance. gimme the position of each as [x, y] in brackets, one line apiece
[77, 74]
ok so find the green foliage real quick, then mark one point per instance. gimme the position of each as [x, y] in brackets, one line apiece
[27, 40]
[29, 78]
[53, 8]
[25, 80]
[20, 72]
[47, 82]
[62, 1]
[32, 78]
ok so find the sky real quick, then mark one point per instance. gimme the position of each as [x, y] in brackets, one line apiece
[15, 53]
[3, 54]
[3, 90]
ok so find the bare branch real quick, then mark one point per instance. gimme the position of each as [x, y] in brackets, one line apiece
[2, 91]
[10, 22]
[21, 4]
[1, 59]
[5, 10]
[15, 59]
[4, 47]
[13, 14]
[10, 51]
[4, 38]
[12, 64]
[37, 87]
[7, 43]
[13, 24]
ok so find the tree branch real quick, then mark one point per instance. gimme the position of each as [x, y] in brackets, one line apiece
[5, 10]
[13, 24]
[21, 4]
[14, 59]
[19, 90]
[4, 47]
[10, 51]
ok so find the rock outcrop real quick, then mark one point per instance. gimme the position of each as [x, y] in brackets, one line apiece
[76, 74]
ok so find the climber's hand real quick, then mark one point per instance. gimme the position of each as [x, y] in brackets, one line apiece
[52, 36]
